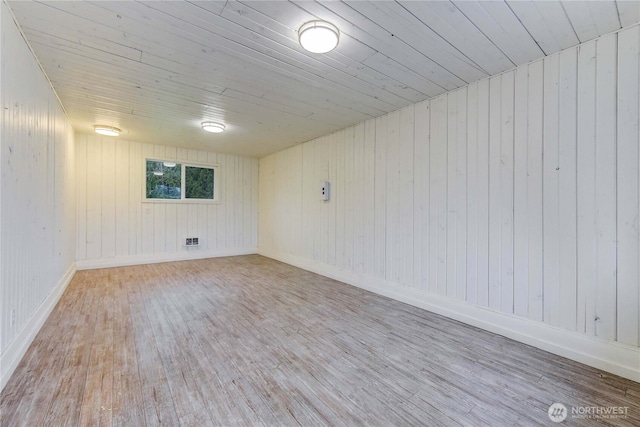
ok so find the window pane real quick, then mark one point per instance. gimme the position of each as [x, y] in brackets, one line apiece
[199, 183]
[164, 180]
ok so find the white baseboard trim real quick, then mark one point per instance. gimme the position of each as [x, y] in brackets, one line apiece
[610, 356]
[194, 253]
[12, 356]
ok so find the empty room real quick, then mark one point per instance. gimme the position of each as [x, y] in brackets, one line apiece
[320, 213]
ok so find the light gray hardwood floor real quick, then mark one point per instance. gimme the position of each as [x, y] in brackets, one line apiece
[250, 341]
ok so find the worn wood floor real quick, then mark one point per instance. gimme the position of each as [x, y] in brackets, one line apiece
[251, 341]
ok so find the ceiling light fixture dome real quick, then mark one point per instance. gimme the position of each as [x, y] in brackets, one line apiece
[318, 36]
[106, 130]
[213, 127]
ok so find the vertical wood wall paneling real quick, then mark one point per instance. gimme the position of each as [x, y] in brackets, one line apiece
[38, 196]
[255, 182]
[472, 195]
[294, 206]
[94, 198]
[332, 206]
[586, 177]
[628, 181]
[461, 202]
[321, 153]
[452, 191]
[81, 196]
[65, 196]
[495, 207]
[232, 166]
[267, 224]
[535, 132]
[340, 197]
[392, 246]
[135, 199]
[288, 237]
[212, 212]
[437, 196]
[247, 185]
[115, 222]
[380, 205]
[456, 193]
[421, 213]
[203, 216]
[349, 194]
[238, 205]
[506, 192]
[550, 203]
[606, 186]
[483, 108]
[108, 182]
[310, 199]
[369, 205]
[359, 192]
[122, 189]
[519, 193]
[220, 226]
[148, 209]
[406, 138]
[567, 185]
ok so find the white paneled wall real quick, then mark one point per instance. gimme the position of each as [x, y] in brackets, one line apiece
[37, 198]
[116, 226]
[511, 203]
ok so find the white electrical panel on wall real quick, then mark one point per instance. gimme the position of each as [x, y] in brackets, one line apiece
[324, 190]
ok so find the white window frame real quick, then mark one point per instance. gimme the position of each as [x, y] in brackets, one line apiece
[183, 165]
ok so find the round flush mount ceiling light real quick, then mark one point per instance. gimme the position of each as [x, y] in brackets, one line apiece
[106, 130]
[318, 36]
[213, 127]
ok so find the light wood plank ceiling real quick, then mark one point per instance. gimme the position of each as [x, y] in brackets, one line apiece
[157, 69]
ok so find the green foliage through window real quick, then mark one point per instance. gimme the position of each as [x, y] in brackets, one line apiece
[167, 180]
[164, 180]
[199, 182]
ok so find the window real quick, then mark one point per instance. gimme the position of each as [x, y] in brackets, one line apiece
[199, 182]
[164, 180]
[169, 180]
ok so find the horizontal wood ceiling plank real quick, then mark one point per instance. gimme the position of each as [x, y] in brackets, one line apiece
[315, 96]
[406, 27]
[498, 22]
[361, 28]
[157, 69]
[348, 57]
[628, 12]
[547, 23]
[229, 56]
[590, 19]
[252, 53]
[446, 20]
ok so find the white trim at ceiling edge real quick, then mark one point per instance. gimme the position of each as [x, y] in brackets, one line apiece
[192, 253]
[609, 356]
[12, 356]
